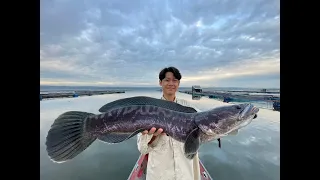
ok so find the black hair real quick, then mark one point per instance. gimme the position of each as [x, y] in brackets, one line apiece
[175, 71]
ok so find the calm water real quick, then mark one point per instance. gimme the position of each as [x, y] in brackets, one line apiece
[79, 88]
[253, 154]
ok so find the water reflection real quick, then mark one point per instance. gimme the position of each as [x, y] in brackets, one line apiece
[254, 153]
[196, 97]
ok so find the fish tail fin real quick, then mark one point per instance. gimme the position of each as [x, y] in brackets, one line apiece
[67, 137]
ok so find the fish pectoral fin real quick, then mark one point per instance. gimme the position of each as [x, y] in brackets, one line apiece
[192, 143]
[118, 137]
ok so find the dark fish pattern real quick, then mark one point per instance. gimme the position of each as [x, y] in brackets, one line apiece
[72, 132]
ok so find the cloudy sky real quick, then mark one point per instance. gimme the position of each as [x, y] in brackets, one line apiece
[225, 43]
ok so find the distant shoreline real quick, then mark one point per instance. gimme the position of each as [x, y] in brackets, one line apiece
[74, 94]
[105, 88]
[151, 87]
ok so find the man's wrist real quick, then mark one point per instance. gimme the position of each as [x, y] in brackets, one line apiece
[152, 139]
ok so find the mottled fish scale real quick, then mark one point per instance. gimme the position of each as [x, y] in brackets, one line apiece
[129, 119]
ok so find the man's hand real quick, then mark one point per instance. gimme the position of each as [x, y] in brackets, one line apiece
[155, 133]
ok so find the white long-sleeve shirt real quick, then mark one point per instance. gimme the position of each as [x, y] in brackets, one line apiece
[166, 159]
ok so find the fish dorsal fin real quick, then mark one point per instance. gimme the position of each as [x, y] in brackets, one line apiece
[118, 137]
[192, 143]
[144, 100]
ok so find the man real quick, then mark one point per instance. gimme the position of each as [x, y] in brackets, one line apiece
[166, 159]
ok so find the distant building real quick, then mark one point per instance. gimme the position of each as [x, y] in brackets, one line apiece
[276, 105]
[196, 89]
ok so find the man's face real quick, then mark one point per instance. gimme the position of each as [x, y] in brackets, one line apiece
[169, 84]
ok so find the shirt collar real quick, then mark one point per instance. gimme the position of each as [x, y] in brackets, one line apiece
[175, 99]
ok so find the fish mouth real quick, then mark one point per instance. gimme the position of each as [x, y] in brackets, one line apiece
[241, 119]
[248, 111]
[247, 115]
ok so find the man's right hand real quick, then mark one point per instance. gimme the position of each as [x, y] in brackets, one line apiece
[153, 131]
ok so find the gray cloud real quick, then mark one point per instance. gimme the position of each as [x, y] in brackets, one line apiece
[118, 42]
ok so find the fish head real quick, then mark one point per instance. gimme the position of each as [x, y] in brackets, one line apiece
[221, 121]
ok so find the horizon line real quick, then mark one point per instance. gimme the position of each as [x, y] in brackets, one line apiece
[101, 86]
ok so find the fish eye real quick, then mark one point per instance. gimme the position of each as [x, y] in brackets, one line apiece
[238, 107]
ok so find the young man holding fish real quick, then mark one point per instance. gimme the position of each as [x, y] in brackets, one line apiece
[166, 156]
[170, 157]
